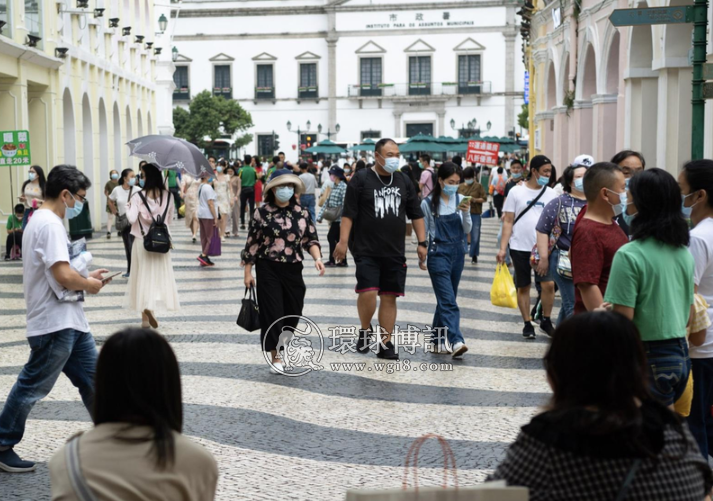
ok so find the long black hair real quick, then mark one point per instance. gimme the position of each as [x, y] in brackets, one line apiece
[124, 174]
[153, 181]
[657, 198]
[40, 178]
[446, 170]
[597, 360]
[699, 174]
[138, 382]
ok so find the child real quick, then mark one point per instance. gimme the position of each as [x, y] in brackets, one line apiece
[14, 231]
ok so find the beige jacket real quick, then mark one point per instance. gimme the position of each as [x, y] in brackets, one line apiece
[117, 470]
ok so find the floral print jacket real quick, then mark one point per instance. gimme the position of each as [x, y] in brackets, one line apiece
[279, 234]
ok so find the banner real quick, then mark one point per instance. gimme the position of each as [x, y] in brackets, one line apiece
[15, 148]
[482, 152]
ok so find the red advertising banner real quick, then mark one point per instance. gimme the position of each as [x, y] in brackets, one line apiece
[482, 152]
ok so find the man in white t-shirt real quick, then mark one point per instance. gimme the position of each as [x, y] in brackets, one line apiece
[57, 331]
[521, 212]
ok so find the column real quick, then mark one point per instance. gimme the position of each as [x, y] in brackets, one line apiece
[441, 122]
[673, 144]
[164, 97]
[397, 123]
[510, 78]
[604, 110]
[332, 39]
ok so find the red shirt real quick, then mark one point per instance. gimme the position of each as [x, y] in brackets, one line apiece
[593, 247]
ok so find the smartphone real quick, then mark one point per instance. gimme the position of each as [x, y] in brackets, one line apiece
[106, 279]
[465, 200]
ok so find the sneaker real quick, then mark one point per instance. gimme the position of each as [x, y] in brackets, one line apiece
[203, 260]
[529, 331]
[152, 319]
[277, 368]
[227, 233]
[242, 226]
[108, 235]
[343, 264]
[118, 234]
[125, 275]
[547, 327]
[474, 260]
[330, 264]
[210, 263]
[364, 340]
[440, 349]
[11, 462]
[459, 349]
[194, 239]
[388, 352]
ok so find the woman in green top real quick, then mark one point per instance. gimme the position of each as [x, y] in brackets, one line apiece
[651, 279]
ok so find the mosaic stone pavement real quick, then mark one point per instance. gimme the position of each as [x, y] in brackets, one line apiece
[310, 437]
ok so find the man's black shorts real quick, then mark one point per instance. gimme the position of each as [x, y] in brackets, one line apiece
[524, 271]
[386, 274]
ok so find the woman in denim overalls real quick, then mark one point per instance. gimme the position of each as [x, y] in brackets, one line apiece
[448, 223]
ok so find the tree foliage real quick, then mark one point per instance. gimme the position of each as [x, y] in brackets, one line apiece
[209, 117]
[523, 119]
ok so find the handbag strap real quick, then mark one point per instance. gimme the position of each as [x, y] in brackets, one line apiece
[79, 483]
[530, 205]
[624, 490]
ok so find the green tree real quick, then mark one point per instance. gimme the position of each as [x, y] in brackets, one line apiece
[523, 119]
[209, 117]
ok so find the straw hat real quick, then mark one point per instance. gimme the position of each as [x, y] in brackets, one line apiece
[284, 177]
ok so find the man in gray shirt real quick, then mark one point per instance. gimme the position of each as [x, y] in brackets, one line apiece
[307, 199]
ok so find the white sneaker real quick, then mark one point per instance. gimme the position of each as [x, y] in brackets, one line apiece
[277, 368]
[459, 349]
[441, 349]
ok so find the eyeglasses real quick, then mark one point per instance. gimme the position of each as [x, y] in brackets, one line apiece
[80, 196]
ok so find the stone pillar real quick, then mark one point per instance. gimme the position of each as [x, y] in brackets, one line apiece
[604, 111]
[397, 123]
[642, 117]
[509, 78]
[442, 123]
[673, 144]
[583, 129]
[332, 39]
[164, 97]
[561, 137]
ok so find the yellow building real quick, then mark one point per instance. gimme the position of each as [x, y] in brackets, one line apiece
[81, 81]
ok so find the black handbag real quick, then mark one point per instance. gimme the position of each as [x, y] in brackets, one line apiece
[157, 239]
[122, 222]
[249, 317]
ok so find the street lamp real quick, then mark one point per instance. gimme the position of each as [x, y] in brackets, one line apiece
[162, 23]
[329, 133]
[174, 54]
[488, 125]
[309, 125]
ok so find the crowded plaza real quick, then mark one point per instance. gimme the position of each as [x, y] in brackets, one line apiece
[220, 285]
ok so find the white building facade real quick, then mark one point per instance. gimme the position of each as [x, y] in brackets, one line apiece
[381, 68]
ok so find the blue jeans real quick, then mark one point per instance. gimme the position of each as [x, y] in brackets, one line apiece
[700, 421]
[475, 235]
[566, 287]
[68, 351]
[445, 267]
[307, 202]
[669, 368]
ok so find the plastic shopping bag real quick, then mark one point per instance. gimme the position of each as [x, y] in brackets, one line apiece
[503, 292]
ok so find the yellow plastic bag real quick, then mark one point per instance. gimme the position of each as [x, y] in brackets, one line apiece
[182, 210]
[503, 292]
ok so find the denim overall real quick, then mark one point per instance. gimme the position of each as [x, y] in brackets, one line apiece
[446, 255]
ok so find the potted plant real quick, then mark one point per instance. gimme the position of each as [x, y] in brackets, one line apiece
[382, 85]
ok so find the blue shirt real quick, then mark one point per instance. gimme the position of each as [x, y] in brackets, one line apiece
[444, 209]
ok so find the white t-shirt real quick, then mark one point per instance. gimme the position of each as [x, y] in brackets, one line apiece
[206, 192]
[701, 247]
[120, 196]
[45, 243]
[524, 235]
[310, 183]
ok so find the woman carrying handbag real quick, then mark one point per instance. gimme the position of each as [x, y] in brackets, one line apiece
[152, 285]
[332, 212]
[279, 232]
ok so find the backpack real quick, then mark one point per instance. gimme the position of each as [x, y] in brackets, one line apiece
[157, 239]
[434, 178]
[500, 185]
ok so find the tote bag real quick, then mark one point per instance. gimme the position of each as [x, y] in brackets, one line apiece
[249, 317]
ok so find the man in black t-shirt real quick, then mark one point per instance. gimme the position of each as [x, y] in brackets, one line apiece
[376, 206]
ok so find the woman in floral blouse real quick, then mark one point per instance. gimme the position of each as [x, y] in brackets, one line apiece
[279, 231]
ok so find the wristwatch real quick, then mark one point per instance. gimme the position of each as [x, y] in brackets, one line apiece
[423, 244]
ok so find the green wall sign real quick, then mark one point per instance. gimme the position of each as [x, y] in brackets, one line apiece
[652, 15]
[15, 148]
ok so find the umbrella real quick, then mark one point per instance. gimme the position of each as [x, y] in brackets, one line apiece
[326, 147]
[171, 153]
[367, 145]
[422, 142]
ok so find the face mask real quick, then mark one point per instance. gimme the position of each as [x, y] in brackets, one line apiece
[219, 169]
[619, 208]
[32, 176]
[450, 189]
[142, 182]
[579, 184]
[627, 218]
[210, 180]
[347, 171]
[516, 175]
[115, 176]
[391, 165]
[469, 181]
[72, 212]
[284, 193]
[332, 179]
[132, 181]
[687, 211]
[543, 180]
[627, 183]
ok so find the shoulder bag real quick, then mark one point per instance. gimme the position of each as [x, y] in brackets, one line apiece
[249, 316]
[530, 205]
[122, 222]
[554, 236]
[76, 478]
[157, 239]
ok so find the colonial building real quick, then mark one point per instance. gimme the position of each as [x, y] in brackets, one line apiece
[358, 69]
[600, 89]
[79, 76]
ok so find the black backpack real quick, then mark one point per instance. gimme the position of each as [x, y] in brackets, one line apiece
[157, 239]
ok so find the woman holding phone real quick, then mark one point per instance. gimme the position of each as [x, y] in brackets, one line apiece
[448, 224]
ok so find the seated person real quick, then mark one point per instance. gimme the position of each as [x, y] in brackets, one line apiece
[14, 231]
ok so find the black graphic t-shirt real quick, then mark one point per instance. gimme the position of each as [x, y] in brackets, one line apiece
[379, 211]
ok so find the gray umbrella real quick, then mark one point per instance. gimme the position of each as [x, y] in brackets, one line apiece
[171, 153]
